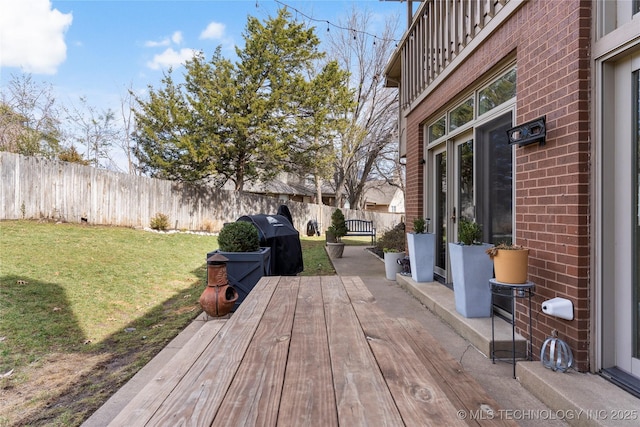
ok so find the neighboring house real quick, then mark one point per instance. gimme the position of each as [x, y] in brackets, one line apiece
[282, 190]
[380, 196]
[468, 71]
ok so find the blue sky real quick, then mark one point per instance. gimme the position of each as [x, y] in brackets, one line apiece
[98, 49]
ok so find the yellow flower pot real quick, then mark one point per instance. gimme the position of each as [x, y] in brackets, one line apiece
[511, 266]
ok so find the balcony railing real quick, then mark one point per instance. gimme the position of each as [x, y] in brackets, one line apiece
[440, 32]
[441, 35]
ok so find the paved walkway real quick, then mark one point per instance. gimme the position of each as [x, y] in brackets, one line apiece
[496, 379]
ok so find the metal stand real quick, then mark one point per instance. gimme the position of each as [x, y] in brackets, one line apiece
[513, 291]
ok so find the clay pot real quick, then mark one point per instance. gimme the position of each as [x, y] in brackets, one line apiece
[218, 297]
[218, 300]
[511, 265]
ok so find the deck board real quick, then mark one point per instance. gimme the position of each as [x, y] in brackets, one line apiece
[308, 397]
[362, 395]
[146, 402]
[254, 395]
[420, 399]
[196, 399]
[458, 384]
[309, 351]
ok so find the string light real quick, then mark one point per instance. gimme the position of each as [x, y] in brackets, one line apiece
[331, 24]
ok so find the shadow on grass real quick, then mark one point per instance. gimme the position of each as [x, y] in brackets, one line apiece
[123, 353]
[33, 313]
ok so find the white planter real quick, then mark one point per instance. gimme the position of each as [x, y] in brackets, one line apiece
[422, 256]
[471, 269]
[391, 266]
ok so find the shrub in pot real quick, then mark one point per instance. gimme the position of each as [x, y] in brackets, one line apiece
[247, 262]
[239, 237]
[422, 251]
[392, 244]
[337, 230]
[471, 271]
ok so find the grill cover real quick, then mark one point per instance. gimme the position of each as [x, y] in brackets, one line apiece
[277, 233]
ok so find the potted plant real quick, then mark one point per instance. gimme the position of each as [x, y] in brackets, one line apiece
[335, 232]
[510, 262]
[247, 262]
[471, 271]
[392, 245]
[422, 251]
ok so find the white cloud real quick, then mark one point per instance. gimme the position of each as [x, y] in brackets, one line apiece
[161, 43]
[170, 58]
[214, 30]
[32, 35]
[177, 37]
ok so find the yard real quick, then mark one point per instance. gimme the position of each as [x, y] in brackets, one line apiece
[83, 308]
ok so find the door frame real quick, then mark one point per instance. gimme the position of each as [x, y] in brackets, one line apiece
[603, 305]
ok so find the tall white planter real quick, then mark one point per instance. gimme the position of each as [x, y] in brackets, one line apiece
[391, 266]
[471, 269]
[422, 255]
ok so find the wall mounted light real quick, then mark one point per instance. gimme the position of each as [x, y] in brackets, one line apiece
[528, 133]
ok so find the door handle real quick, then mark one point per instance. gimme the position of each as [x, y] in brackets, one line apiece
[453, 216]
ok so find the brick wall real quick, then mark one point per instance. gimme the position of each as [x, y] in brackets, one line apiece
[552, 184]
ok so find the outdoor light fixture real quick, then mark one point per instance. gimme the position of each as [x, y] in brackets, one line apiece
[528, 133]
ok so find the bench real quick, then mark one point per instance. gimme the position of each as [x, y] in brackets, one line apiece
[361, 227]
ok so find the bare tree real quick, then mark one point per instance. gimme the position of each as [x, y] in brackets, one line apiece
[29, 118]
[96, 131]
[126, 142]
[366, 147]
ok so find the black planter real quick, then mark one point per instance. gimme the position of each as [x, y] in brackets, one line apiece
[245, 269]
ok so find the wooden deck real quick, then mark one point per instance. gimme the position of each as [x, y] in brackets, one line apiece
[311, 351]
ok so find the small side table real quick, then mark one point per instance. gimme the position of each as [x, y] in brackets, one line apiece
[513, 291]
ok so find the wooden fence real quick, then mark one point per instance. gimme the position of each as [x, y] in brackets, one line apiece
[36, 188]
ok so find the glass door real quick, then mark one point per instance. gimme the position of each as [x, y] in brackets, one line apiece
[440, 223]
[620, 223]
[635, 284]
[464, 205]
[451, 171]
[494, 187]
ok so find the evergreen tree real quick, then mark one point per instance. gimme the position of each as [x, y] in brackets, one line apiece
[231, 121]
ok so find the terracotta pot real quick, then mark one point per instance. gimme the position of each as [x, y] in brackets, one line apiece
[511, 266]
[218, 297]
[218, 300]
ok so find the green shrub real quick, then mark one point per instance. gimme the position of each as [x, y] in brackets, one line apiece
[160, 222]
[469, 232]
[419, 225]
[338, 226]
[393, 240]
[240, 236]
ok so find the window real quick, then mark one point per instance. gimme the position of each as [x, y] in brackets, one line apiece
[498, 92]
[494, 94]
[461, 115]
[437, 129]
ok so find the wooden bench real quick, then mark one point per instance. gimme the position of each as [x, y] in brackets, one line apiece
[361, 227]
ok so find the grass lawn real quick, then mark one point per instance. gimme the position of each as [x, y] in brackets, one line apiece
[83, 308]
